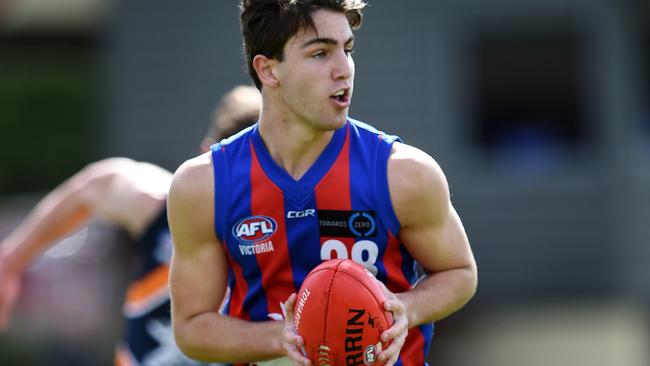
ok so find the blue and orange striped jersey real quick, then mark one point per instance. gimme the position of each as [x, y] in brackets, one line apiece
[147, 338]
[275, 229]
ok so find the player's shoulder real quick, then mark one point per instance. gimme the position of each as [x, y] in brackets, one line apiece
[121, 190]
[414, 175]
[410, 160]
[108, 167]
[367, 130]
[189, 202]
[123, 167]
[193, 177]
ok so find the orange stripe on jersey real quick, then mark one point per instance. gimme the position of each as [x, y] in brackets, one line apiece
[236, 306]
[336, 182]
[395, 280]
[412, 353]
[147, 292]
[268, 199]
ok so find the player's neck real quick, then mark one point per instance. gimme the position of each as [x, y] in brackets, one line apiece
[293, 145]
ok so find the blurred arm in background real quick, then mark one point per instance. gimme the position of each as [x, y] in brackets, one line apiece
[122, 191]
[132, 196]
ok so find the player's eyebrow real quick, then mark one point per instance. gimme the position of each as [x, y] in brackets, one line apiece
[329, 41]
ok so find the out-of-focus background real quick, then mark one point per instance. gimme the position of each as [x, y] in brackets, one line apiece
[538, 112]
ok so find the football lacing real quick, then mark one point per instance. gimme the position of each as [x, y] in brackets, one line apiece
[325, 356]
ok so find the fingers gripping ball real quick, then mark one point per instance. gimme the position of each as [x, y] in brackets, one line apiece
[339, 315]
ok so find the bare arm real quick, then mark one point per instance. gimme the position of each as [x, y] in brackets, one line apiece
[118, 190]
[198, 279]
[434, 235]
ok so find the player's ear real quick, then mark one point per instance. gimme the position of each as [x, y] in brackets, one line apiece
[265, 69]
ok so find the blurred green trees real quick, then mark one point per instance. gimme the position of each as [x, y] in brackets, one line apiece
[48, 109]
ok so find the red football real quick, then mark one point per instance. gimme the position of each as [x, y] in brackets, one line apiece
[339, 313]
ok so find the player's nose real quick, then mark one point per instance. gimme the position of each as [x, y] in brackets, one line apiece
[343, 66]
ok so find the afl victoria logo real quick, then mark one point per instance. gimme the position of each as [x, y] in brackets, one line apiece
[254, 229]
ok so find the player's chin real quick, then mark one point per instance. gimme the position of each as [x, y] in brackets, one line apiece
[337, 121]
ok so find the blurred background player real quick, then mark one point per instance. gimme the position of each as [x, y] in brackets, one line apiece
[131, 195]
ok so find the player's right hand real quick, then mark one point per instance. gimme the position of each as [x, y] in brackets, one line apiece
[291, 341]
[10, 285]
[397, 332]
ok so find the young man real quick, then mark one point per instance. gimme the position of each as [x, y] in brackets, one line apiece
[304, 185]
[131, 195]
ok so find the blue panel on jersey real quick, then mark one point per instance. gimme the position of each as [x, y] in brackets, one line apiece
[238, 207]
[302, 239]
[362, 161]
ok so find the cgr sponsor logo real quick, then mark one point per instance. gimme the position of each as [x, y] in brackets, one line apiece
[254, 229]
[301, 214]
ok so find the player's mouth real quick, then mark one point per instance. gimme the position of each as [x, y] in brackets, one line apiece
[341, 97]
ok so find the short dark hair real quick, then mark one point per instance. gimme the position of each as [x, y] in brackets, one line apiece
[268, 24]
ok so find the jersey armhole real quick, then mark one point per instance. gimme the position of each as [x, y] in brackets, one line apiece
[381, 188]
[221, 189]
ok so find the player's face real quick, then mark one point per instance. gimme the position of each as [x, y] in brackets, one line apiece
[317, 73]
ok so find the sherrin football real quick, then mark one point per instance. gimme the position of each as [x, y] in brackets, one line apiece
[339, 314]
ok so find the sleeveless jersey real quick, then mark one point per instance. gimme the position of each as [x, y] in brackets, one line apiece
[148, 339]
[275, 229]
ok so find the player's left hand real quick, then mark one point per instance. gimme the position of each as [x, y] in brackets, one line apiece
[397, 333]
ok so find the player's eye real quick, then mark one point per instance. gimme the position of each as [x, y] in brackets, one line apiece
[319, 54]
[349, 48]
